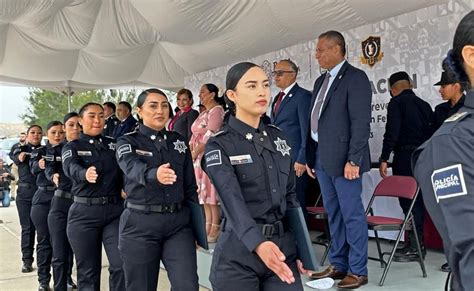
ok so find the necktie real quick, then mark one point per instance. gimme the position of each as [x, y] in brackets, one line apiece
[318, 104]
[278, 102]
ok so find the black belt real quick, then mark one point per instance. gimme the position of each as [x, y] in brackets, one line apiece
[62, 194]
[46, 188]
[273, 229]
[22, 184]
[158, 208]
[96, 200]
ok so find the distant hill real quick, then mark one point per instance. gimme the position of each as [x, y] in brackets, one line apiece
[11, 129]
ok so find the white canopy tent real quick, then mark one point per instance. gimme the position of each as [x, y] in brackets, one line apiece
[78, 44]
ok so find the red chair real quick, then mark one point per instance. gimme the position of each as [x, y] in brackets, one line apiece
[320, 213]
[394, 186]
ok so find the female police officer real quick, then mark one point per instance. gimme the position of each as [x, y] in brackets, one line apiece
[249, 164]
[94, 216]
[20, 154]
[57, 218]
[42, 201]
[159, 179]
[445, 167]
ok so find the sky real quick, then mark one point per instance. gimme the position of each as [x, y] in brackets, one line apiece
[12, 103]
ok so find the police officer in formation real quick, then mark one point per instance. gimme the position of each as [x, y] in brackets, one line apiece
[111, 120]
[444, 167]
[62, 259]
[409, 124]
[42, 201]
[20, 154]
[249, 163]
[93, 218]
[159, 180]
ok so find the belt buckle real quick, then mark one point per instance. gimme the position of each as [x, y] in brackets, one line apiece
[166, 208]
[104, 200]
[267, 230]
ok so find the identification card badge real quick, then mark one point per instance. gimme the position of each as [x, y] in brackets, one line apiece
[240, 160]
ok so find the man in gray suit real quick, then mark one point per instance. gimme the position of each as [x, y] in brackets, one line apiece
[337, 153]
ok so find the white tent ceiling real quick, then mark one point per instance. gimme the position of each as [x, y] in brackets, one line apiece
[109, 43]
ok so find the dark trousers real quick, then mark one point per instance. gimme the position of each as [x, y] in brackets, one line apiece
[235, 268]
[147, 238]
[62, 252]
[23, 205]
[347, 221]
[402, 166]
[88, 227]
[39, 216]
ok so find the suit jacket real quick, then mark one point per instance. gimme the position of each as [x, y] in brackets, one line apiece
[183, 123]
[128, 125]
[344, 124]
[292, 119]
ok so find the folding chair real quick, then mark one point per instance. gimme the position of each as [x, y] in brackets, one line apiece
[319, 213]
[394, 186]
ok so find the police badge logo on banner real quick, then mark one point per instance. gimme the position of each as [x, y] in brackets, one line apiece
[448, 182]
[371, 51]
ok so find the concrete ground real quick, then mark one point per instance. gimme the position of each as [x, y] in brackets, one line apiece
[402, 276]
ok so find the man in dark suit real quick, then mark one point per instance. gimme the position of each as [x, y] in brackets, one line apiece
[338, 154]
[290, 112]
[409, 124]
[111, 121]
[127, 122]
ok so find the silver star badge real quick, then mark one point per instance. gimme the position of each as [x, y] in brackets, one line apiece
[249, 136]
[264, 133]
[180, 146]
[112, 146]
[153, 137]
[282, 147]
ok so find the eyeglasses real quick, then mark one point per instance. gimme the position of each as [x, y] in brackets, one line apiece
[280, 73]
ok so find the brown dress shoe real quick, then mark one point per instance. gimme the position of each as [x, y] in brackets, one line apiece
[330, 272]
[352, 281]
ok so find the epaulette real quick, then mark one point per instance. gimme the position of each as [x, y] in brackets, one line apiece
[108, 136]
[274, 126]
[131, 132]
[218, 133]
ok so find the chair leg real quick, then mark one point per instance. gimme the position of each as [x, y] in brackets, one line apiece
[418, 247]
[326, 252]
[392, 253]
[379, 249]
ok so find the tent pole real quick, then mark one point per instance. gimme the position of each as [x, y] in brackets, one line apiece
[69, 103]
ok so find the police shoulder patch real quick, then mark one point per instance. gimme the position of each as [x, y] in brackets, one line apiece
[448, 182]
[213, 158]
[67, 154]
[124, 149]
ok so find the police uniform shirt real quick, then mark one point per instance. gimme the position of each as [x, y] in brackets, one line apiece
[111, 123]
[251, 170]
[444, 169]
[87, 151]
[445, 110]
[409, 122]
[41, 180]
[54, 166]
[140, 153]
[24, 171]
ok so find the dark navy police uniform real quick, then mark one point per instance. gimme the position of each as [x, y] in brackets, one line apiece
[94, 216]
[444, 169]
[252, 172]
[26, 190]
[62, 259]
[39, 215]
[156, 222]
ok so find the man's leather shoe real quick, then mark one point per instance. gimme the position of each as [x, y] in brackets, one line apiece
[26, 268]
[44, 287]
[352, 281]
[71, 285]
[330, 272]
[446, 268]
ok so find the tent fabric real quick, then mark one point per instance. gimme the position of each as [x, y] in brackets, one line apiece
[111, 43]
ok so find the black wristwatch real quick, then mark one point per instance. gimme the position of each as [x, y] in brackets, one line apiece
[352, 163]
[382, 160]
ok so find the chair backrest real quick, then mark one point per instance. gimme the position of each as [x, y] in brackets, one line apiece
[397, 186]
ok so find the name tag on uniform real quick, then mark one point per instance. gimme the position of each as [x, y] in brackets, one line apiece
[48, 158]
[144, 153]
[84, 153]
[240, 160]
[448, 182]
[58, 159]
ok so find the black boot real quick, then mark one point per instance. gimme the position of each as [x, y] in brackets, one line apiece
[409, 253]
[71, 285]
[27, 267]
[44, 287]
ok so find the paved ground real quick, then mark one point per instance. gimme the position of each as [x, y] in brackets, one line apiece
[402, 276]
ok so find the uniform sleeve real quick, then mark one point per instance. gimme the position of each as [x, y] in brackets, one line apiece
[36, 156]
[50, 168]
[190, 186]
[304, 106]
[71, 164]
[214, 122]
[14, 153]
[359, 102]
[217, 165]
[131, 165]
[392, 129]
[291, 198]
